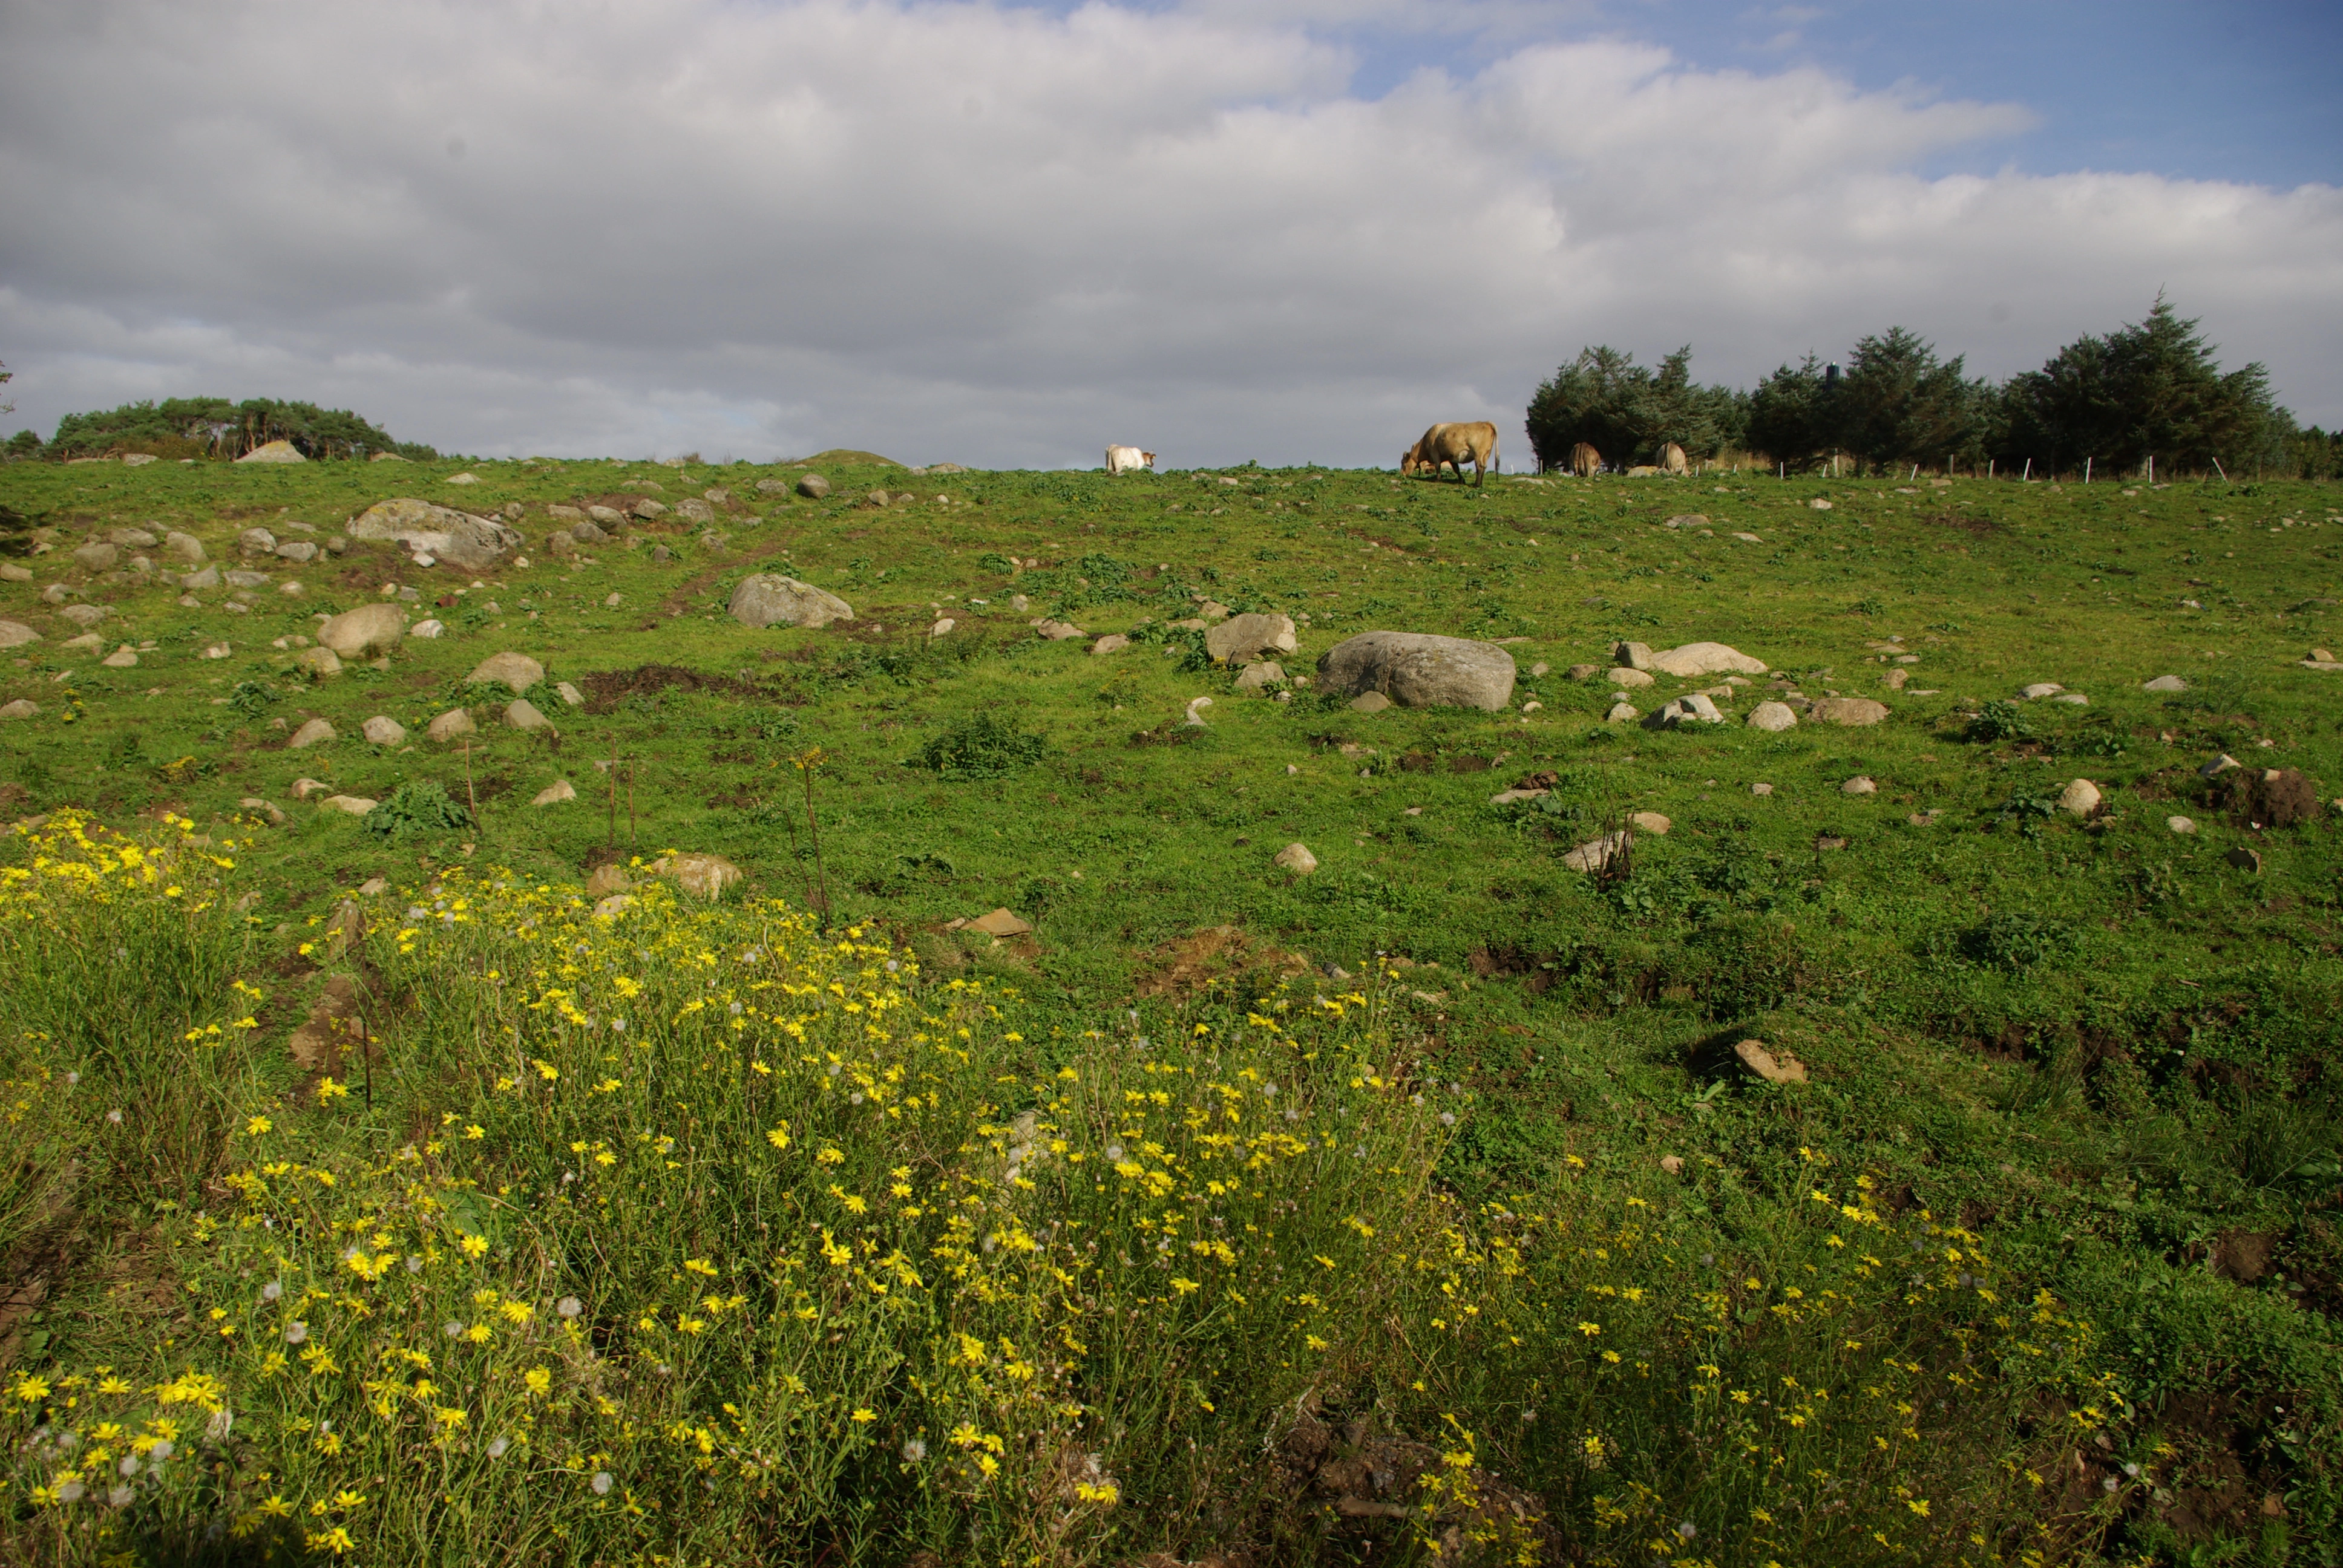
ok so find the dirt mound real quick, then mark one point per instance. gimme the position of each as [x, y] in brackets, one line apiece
[606, 688]
[1219, 956]
[2272, 798]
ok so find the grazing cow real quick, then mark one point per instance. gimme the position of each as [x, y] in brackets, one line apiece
[1672, 459]
[1585, 461]
[1128, 459]
[1454, 445]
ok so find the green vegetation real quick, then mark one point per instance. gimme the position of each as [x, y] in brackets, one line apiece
[215, 428]
[2040, 1264]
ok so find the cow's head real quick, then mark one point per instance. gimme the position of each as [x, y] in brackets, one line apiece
[1148, 459]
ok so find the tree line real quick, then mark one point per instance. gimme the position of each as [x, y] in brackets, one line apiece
[2152, 389]
[212, 428]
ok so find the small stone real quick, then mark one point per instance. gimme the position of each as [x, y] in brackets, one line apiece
[83, 615]
[1531, 706]
[2245, 860]
[555, 793]
[522, 714]
[447, 726]
[1629, 678]
[2180, 824]
[1058, 630]
[267, 809]
[1112, 642]
[1650, 822]
[218, 650]
[1672, 1164]
[16, 634]
[304, 788]
[570, 696]
[1538, 668]
[2080, 798]
[22, 708]
[1597, 853]
[945, 624]
[2165, 683]
[319, 661]
[310, 734]
[2073, 699]
[291, 591]
[1774, 1067]
[1773, 717]
[1819, 505]
[373, 887]
[1370, 702]
[2041, 688]
[1295, 857]
[122, 657]
[1859, 785]
[383, 730]
[2218, 766]
[97, 555]
[648, 510]
[355, 805]
[1623, 713]
[89, 640]
[1896, 678]
[1585, 671]
[1000, 923]
[1761, 788]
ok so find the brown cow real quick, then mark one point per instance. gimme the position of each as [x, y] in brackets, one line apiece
[1454, 445]
[1585, 460]
[1672, 459]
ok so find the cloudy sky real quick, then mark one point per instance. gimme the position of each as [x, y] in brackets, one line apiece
[1007, 234]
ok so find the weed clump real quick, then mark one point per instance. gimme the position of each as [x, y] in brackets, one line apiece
[981, 747]
[415, 808]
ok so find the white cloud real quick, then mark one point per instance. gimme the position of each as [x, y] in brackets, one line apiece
[1003, 237]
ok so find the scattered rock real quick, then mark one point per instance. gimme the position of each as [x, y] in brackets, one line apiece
[304, 788]
[2080, 798]
[310, 734]
[320, 661]
[2165, 683]
[555, 793]
[610, 878]
[1761, 788]
[298, 550]
[2218, 766]
[1773, 717]
[1623, 713]
[1196, 706]
[1695, 708]
[2041, 688]
[1597, 853]
[1628, 679]
[208, 578]
[16, 634]
[943, 628]
[1585, 671]
[570, 696]
[1819, 505]
[97, 555]
[1370, 702]
[1295, 857]
[1860, 784]
[1650, 822]
[702, 876]
[267, 809]
[383, 730]
[1672, 1163]
[1774, 1067]
[1848, 710]
[1538, 668]
[363, 632]
[428, 630]
[21, 708]
[516, 670]
[12, 573]
[813, 486]
[83, 615]
[768, 598]
[447, 726]
[89, 640]
[1695, 658]
[1515, 796]
[1634, 655]
[1250, 636]
[1059, 630]
[522, 714]
[462, 540]
[1112, 642]
[648, 509]
[2180, 824]
[355, 805]
[2073, 699]
[1896, 678]
[1418, 670]
[999, 923]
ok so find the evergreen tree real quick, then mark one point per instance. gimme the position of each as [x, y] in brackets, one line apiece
[1900, 404]
[1628, 412]
[1790, 419]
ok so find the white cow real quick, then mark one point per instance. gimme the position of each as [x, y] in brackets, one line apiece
[1128, 459]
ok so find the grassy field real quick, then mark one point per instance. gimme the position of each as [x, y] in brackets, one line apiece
[1414, 1209]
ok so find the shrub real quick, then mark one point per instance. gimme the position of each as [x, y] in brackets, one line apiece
[417, 808]
[983, 747]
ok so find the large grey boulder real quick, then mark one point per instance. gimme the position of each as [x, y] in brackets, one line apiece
[462, 540]
[1417, 670]
[363, 632]
[813, 486]
[768, 599]
[1695, 658]
[1249, 637]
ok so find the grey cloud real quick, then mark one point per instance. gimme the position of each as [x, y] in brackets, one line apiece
[1006, 237]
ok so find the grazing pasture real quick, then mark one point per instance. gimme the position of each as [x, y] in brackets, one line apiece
[1907, 1142]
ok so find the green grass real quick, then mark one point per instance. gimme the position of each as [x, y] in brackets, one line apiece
[2099, 1050]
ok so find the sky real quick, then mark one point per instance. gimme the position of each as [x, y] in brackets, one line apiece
[1010, 235]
